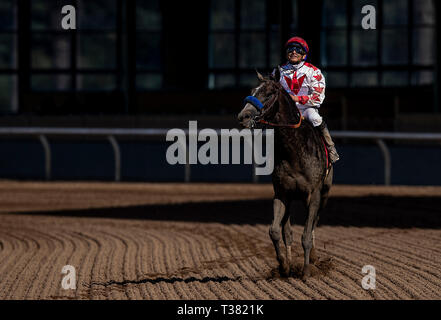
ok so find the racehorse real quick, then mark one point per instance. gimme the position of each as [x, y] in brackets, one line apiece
[301, 166]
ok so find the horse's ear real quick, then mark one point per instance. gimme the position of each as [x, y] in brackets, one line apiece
[259, 76]
[276, 74]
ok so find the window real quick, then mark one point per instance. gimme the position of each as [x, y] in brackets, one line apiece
[91, 57]
[400, 52]
[8, 56]
[84, 59]
[243, 36]
[97, 48]
[148, 45]
[115, 47]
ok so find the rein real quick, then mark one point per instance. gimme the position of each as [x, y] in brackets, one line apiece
[292, 126]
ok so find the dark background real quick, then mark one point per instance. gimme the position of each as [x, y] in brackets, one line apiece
[151, 63]
[154, 57]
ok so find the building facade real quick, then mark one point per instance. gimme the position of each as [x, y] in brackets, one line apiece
[149, 56]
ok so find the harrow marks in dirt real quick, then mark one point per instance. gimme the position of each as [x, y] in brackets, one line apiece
[142, 248]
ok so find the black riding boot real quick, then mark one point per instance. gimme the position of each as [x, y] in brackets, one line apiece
[333, 155]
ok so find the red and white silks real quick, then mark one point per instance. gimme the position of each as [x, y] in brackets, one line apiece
[308, 83]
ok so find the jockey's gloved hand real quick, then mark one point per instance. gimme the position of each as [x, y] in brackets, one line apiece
[295, 98]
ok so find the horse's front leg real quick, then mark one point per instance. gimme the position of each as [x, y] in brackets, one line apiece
[307, 236]
[275, 232]
[287, 233]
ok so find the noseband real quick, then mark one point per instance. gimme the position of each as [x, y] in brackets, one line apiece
[259, 118]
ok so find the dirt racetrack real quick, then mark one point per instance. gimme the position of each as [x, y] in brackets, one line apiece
[208, 241]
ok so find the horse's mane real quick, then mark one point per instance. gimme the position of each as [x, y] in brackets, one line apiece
[292, 111]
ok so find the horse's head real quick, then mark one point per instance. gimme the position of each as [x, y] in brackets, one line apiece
[262, 104]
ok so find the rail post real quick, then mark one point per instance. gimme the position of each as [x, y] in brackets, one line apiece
[387, 161]
[187, 173]
[47, 156]
[117, 157]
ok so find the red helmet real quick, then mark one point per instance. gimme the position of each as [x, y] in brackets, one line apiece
[300, 41]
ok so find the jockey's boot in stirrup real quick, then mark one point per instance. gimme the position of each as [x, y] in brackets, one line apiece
[333, 155]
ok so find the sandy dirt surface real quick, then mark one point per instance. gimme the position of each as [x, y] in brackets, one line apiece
[210, 241]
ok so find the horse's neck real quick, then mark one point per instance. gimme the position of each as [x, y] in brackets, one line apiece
[291, 138]
[288, 112]
[288, 108]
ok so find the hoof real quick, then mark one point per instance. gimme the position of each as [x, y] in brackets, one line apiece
[284, 270]
[306, 272]
[310, 271]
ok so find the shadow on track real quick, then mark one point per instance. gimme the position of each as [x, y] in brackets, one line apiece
[372, 211]
[164, 279]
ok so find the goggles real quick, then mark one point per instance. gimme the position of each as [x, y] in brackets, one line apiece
[296, 47]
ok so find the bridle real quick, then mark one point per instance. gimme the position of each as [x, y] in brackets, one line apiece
[255, 102]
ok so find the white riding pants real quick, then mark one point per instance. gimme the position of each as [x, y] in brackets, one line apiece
[312, 115]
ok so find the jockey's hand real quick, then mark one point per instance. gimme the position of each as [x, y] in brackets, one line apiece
[295, 98]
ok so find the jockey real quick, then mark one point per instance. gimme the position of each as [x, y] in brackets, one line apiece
[306, 86]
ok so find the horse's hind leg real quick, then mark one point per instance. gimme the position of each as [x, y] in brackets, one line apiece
[275, 232]
[313, 255]
[307, 236]
[324, 200]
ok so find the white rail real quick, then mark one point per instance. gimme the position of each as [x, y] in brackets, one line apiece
[111, 133]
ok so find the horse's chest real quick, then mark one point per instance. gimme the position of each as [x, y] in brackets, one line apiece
[288, 178]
